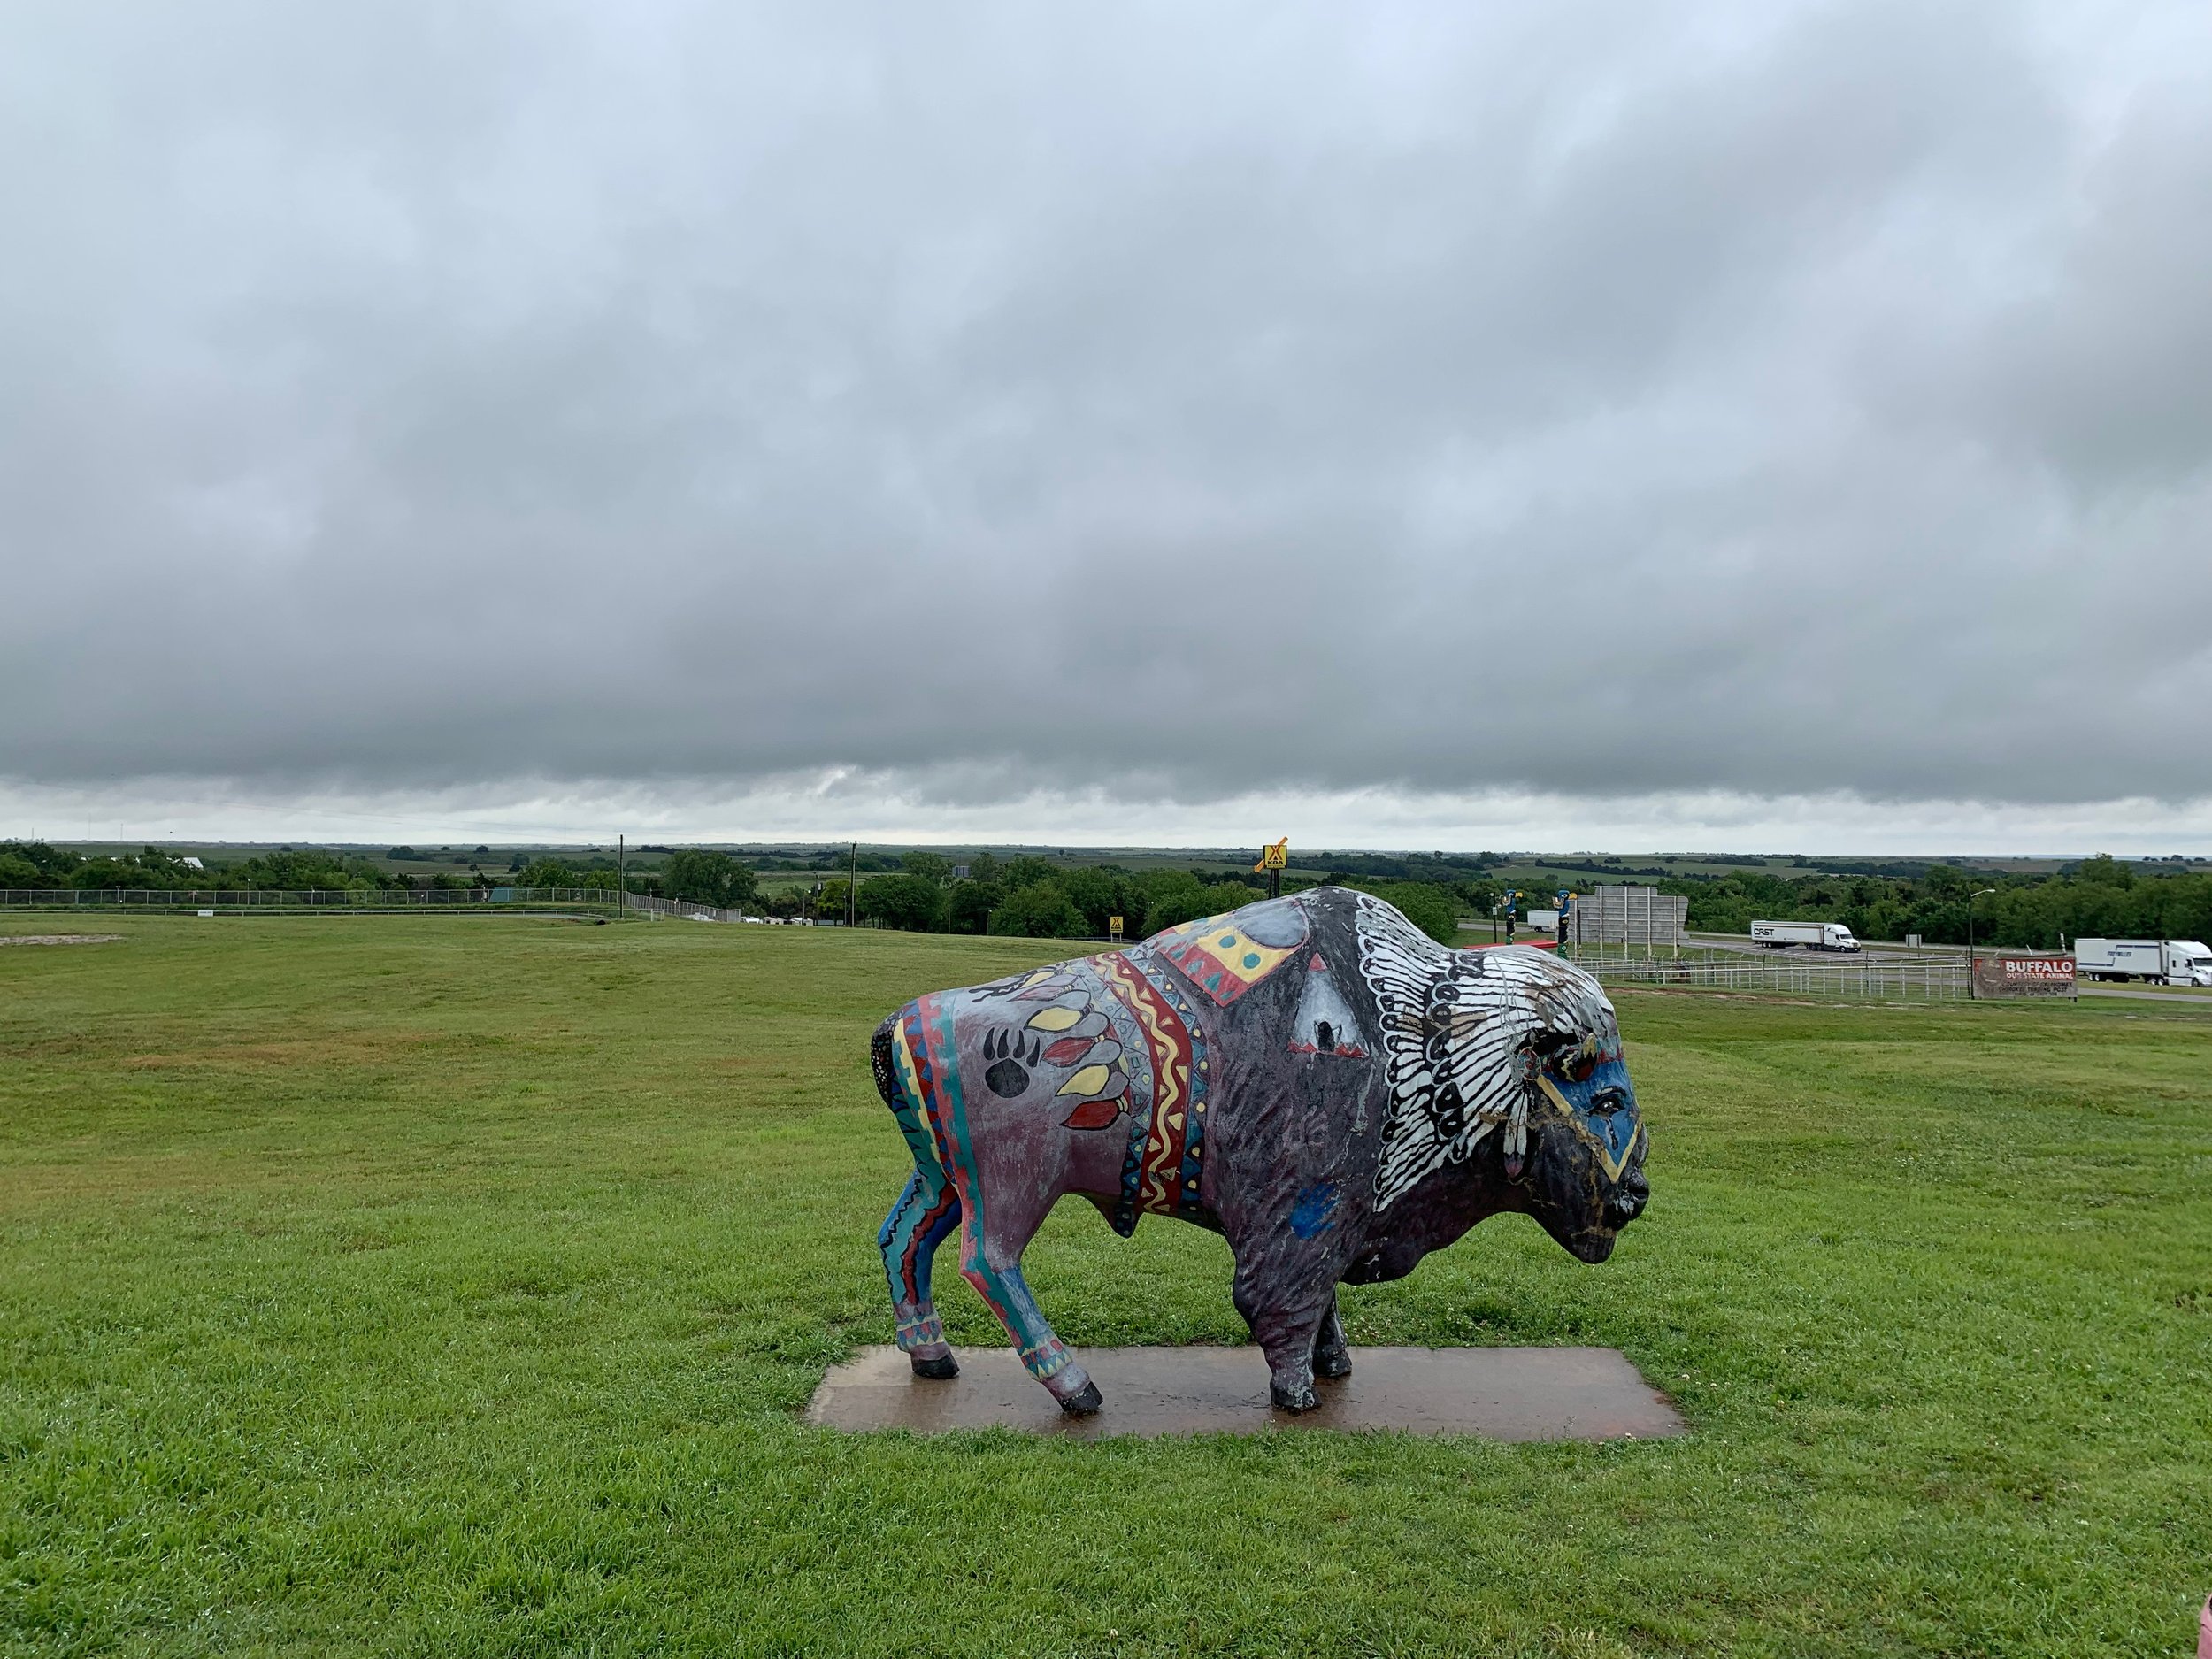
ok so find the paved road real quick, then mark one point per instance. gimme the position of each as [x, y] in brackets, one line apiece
[2202, 999]
[1794, 953]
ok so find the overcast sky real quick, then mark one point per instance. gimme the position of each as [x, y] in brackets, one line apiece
[1716, 425]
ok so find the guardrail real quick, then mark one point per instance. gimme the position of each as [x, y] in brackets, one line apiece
[1928, 980]
[653, 905]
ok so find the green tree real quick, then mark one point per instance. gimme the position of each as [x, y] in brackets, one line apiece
[913, 902]
[110, 872]
[930, 866]
[1433, 910]
[1102, 895]
[54, 864]
[1429, 908]
[971, 902]
[1024, 873]
[546, 872]
[1179, 904]
[1041, 911]
[1481, 893]
[311, 869]
[708, 878]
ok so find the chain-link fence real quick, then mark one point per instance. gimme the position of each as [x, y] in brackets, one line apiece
[389, 901]
[358, 899]
[1928, 979]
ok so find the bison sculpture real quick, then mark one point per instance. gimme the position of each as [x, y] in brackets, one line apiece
[1311, 1077]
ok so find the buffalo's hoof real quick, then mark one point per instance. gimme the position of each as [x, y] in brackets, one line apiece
[1085, 1402]
[1332, 1363]
[944, 1368]
[1299, 1399]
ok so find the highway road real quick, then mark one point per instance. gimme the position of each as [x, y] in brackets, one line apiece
[1869, 951]
[2202, 998]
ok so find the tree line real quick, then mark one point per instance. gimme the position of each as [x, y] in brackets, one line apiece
[36, 864]
[1033, 898]
[2101, 897]
[1029, 897]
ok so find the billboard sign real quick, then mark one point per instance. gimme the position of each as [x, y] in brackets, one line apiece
[2009, 975]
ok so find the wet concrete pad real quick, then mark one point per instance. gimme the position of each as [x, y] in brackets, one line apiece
[1500, 1393]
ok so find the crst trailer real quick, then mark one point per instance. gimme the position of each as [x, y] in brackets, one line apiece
[1802, 935]
[2161, 961]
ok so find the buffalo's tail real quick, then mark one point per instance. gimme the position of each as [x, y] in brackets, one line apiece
[895, 1084]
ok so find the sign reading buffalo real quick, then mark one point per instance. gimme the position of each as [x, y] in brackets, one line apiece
[1311, 1077]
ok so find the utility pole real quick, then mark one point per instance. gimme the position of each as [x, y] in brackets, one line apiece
[852, 890]
[1970, 992]
[621, 875]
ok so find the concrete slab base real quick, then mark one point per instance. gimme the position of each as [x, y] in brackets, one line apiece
[1500, 1393]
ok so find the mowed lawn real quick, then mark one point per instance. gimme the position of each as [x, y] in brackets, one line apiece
[449, 1286]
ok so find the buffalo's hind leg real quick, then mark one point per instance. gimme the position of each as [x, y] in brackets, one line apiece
[927, 1211]
[925, 1214]
[990, 1260]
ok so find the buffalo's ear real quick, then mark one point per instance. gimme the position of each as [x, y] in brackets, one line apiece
[1547, 1042]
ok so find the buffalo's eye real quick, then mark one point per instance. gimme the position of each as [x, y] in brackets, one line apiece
[1609, 1101]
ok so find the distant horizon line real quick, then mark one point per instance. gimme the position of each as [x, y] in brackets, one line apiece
[1068, 848]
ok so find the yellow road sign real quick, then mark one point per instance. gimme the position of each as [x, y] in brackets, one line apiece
[1275, 855]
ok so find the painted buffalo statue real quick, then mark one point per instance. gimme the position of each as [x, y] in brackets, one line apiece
[1311, 1077]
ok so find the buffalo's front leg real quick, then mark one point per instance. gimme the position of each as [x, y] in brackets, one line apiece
[1286, 1321]
[1331, 1355]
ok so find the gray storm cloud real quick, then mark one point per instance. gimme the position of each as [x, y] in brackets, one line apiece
[1591, 399]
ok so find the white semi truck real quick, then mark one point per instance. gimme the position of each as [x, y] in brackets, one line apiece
[2164, 961]
[1809, 935]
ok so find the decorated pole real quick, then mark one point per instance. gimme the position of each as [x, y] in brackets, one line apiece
[1274, 858]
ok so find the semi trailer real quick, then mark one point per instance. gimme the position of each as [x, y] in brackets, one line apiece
[1804, 935]
[2162, 961]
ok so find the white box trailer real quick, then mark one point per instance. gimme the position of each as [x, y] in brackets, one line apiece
[2162, 961]
[1802, 935]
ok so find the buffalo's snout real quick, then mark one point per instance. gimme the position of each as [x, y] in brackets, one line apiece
[1629, 1198]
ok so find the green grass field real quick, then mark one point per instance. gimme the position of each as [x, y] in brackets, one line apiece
[451, 1285]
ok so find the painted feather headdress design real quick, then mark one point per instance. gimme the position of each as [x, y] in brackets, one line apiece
[1456, 1031]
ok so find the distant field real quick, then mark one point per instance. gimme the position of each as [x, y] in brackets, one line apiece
[431, 1286]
